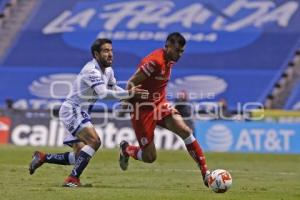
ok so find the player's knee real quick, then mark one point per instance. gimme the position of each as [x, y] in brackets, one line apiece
[76, 151]
[149, 158]
[188, 130]
[98, 143]
[95, 143]
[185, 132]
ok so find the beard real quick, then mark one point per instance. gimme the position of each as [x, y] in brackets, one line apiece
[106, 63]
[175, 59]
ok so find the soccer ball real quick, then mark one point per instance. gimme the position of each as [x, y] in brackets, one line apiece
[220, 180]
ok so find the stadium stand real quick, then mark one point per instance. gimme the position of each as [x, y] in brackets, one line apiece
[5, 7]
[228, 54]
[283, 91]
[15, 13]
[293, 102]
[293, 98]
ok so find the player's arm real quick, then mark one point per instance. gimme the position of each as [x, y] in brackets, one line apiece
[94, 79]
[116, 92]
[144, 71]
[112, 83]
[137, 78]
[118, 88]
[139, 93]
[120, 94]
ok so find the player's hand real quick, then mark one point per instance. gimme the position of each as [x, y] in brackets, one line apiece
[139, 93]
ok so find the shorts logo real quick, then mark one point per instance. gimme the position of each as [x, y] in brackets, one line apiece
[144, 141]
[5, 123]
[84, 115]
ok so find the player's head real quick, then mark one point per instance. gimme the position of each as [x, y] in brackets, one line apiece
[102, 51]
[174, 46]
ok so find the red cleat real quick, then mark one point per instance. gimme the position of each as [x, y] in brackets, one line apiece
[71, 181]
[38, 160]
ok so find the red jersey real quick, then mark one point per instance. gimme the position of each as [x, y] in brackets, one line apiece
[158, 71]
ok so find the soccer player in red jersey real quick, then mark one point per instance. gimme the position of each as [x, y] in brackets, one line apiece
[153, 74]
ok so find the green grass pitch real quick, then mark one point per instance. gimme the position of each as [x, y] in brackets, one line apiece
[173, 176]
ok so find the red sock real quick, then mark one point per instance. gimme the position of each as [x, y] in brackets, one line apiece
[132, 151]
[197, 154]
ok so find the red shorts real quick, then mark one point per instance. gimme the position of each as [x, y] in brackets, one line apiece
[145, 119]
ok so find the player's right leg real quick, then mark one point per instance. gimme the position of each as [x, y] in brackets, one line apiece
[176, 124]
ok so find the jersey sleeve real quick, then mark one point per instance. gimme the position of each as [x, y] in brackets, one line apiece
[92, 78]
[112, 82]
[149, 67]
[104, 92]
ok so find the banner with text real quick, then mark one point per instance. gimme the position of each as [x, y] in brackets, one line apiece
[256, 137]
[41, 128]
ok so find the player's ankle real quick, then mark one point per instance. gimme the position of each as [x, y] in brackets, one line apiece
[42, 156]
[125, 151]
[204, 170]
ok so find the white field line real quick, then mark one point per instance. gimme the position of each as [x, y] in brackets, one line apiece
[231, 171]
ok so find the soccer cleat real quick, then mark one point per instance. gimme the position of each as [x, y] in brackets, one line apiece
[71, 181]
[206, 178]
[124, 157]
[38, 160]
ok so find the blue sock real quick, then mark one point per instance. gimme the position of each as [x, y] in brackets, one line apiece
[61, 158]
[82, 160]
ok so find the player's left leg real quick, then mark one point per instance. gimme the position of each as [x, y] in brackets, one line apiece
[67, 158]
[176, 124]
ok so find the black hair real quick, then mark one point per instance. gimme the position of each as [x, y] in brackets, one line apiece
[176, 37]
[97, 44]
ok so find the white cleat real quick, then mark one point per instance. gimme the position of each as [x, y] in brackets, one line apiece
[206, 178]
[123, 160]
